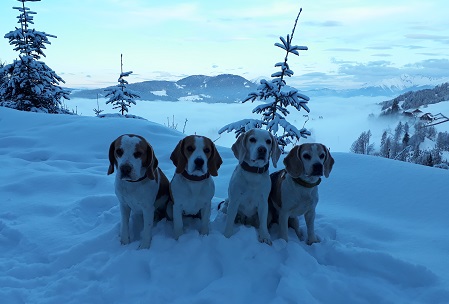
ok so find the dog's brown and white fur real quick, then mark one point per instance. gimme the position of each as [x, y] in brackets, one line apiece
[294, 190]
[140, 185]
[250, 183]
[192, 188]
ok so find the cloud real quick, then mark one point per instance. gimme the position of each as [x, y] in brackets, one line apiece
[381, 55]
[375, 71]
[439, 38]
[441, 65]
[328, 23]
[342, 50]
[214, 66]
[315, 74]
[379, 47]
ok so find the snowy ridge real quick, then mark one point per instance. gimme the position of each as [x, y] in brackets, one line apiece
[228, 88]
[407, 82]
[383, 231]
[225, 88]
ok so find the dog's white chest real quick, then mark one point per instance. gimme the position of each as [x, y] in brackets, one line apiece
[138, 195]
[250, 189]
[297, 199]
[192, 196]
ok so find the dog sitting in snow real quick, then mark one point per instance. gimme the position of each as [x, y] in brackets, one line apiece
[192, 188]
[140, 185]
[294, 190]
[250, 183]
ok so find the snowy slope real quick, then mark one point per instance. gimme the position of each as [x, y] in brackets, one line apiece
[383, 226]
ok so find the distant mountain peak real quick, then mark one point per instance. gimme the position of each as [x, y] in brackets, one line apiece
[406, 82]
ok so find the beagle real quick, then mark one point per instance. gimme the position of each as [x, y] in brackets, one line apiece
[196, 159]
[250, 182]
[294, 190]
[140, 185]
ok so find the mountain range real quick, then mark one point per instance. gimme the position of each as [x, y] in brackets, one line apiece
[228, 88]
[224, 88]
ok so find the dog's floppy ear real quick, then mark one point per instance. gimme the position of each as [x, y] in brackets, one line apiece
[151, 163]
[275, 151]
[328, 162]
[214, 162]
[293, 163]
[239, 147]
[178, 158]
[112, 160]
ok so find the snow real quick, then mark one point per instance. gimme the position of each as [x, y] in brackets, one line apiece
[383, 223]
[405, 81]
[160, 93]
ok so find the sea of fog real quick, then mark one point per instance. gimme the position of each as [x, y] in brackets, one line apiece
[336, 122]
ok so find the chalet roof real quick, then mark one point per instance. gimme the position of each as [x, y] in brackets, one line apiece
[427, 116]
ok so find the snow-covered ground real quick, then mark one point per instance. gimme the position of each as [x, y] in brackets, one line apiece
[383, 224]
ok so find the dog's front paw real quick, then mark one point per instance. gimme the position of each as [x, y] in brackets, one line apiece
[124, 240]
[144, 245]
[204, 230]
[312, 240]
[265, 239]
[177, 233]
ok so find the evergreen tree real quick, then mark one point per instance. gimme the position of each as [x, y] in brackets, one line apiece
[385, 145]
[362, 144]
[2, 77]
[395, 107]
[120, 97]
[443, 141]
[277, 98]
[30, 84]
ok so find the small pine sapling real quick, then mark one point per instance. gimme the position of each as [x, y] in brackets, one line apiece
[120, 97]
[98, 111]
[277, 98]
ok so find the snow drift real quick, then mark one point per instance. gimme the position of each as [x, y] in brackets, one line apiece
[383, 226]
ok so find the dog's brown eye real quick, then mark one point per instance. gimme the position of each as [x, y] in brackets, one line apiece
[119, 152]
[252, 139]
[307, 156]
[206, 150]
[190, 148]
[268, 141]
[322, 155]
[137, 154]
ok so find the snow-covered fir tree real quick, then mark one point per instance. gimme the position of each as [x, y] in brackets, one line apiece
[2, 77]
[30, 85]
[362, 145]
[277, 98]
[119, 96]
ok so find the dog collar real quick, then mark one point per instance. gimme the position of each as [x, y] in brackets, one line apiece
[304, 183]
[137, 180]
[195, 178]
[245, 166]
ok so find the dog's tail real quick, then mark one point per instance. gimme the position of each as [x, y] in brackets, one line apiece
[223, 206]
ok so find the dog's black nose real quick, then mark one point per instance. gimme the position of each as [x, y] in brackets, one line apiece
[199, 162]
[125, 170]
[317, 169]
[262, 150]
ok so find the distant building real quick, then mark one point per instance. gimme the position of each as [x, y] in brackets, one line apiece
[408, 114]
[417, 112]
[427, 117]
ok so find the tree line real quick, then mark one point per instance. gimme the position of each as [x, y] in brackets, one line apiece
[407, 145]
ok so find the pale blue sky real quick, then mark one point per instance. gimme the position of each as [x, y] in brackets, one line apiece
[350, 42]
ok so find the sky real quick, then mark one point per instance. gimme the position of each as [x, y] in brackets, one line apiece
[349, 42]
